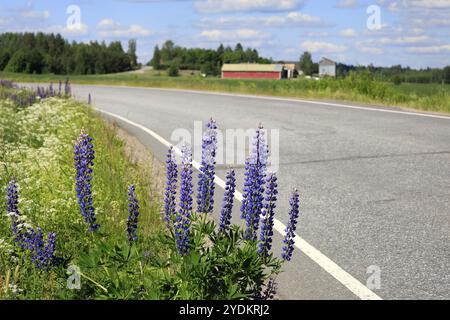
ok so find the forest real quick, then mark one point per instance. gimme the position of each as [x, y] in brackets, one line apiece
[39, 53]
[208, 61]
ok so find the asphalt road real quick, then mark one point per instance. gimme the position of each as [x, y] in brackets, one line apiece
[374, 185]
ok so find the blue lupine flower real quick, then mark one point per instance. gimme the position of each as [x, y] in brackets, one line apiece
[206, 186]
[228, 198]
[84, 162]
[133, 209]
[12, 205]
[289, 239]
[20, 233]
[255, 173]
[268, 213]
[183, 221]
[170, 209]
[42, 252]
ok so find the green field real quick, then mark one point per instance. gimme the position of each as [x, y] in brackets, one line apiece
[425, 97]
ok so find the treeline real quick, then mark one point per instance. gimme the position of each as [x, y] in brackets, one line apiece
[398, 74]
[50, 53]
[208, 61]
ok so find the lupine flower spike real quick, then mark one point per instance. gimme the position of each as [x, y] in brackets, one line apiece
[288, 241]
[183, 222]
[170, 210]
[84, 163]
[12, 205]
[133, 209]
[255, 173]
[268, 213]
[42, 253]
[228, 198]
[206, 186]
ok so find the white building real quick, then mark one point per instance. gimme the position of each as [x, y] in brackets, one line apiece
[327, 67]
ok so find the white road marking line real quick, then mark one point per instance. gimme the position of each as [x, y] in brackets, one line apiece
[332, 104]
[351, 283]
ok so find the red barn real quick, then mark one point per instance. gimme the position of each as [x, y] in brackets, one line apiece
[253, 71]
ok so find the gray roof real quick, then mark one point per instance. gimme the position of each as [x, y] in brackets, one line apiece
[326, 61]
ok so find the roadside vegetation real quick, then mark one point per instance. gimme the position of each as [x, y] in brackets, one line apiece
[80, 220]
[356, 87]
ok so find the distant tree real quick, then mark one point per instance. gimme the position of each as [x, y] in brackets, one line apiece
[209, 69]
[397, 80]
[156, 60]
[173, 71]
[167, 51]
[17, 63]
[132, 47]
[220, 51]
[446, 74]
[306, 64]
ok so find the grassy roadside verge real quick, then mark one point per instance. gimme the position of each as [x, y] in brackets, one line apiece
[75, 226]
[361, 89]
[36, 147]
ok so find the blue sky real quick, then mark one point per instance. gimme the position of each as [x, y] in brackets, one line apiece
[409, 32]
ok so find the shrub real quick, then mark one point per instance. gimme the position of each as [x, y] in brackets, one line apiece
[173, 71]
[397, 80]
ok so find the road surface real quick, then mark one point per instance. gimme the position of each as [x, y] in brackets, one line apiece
[374, 184]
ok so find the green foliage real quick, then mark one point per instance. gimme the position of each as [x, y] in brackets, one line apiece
[406, 74]
[49, 53]
[36, 147]
[397, 80]
[420, 96]
[306, 64]
[173, 71]
[156, 60]
[132, 47]
[206, 60]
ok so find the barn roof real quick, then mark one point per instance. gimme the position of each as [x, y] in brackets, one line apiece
[253, 67]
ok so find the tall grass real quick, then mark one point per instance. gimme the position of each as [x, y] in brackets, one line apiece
[356, 87]
[36, 147]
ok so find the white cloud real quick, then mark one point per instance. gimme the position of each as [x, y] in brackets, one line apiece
[399, 41]
[292, 19]
[322, 47]
[5, 21]
[72, 30]
[431, 49]
[214, 6]
[111, 29]
[429, 4]
[346, 4]
[421, 13]
[349, 33]
[317, 34]
[32, 14]
[234, 35]
[370, 50]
